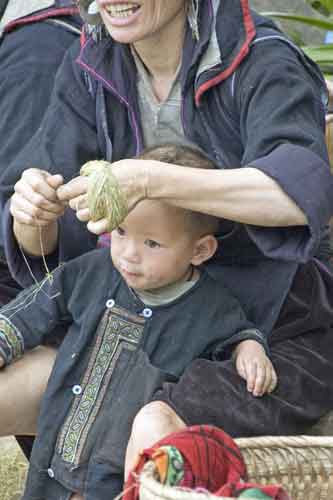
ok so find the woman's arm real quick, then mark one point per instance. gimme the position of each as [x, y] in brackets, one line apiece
[244, 195]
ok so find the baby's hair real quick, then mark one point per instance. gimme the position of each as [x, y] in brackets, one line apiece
[186, 156]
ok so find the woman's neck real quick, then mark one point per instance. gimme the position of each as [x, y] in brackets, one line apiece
[161, 54]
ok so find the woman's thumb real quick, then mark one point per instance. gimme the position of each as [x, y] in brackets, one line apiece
[54, 181]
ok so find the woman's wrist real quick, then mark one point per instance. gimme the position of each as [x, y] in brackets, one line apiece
[36, 241]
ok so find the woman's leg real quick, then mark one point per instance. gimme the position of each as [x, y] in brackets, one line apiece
[22, 386]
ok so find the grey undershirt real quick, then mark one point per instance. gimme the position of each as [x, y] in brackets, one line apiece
[165, 294]
[161, 121]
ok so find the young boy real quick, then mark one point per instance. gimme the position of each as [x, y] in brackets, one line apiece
[134, 322]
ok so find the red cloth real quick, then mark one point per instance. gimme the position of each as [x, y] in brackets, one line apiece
[212, 461]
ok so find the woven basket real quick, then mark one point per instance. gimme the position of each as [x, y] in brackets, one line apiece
[302, 464]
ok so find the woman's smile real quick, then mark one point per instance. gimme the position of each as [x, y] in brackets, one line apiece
[121, 13]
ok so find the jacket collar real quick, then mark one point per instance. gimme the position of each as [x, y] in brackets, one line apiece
[231, 33]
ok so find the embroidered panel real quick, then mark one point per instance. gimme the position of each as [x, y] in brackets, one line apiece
[118, 330]
[11, 340]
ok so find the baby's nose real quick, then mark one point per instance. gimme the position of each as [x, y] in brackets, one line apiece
[131, 252]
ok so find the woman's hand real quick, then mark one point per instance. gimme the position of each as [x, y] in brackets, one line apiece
[153, 422]
[131, 176]
[35, 202]
[254, 366]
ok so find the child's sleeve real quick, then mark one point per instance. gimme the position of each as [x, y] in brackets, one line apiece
[34, 314]
[235, 328]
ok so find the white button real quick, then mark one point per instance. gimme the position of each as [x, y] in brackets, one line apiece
[77, 389]
[110, 303]
[147, 313]
[50, 473]
[73, 355]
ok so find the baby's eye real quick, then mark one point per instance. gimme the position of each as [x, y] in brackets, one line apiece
[152, 244]
[120, 231]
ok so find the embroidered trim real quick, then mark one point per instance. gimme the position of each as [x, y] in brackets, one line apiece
[11, 340]
[118, 330]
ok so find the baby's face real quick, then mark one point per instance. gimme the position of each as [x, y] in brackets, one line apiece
[152, 247]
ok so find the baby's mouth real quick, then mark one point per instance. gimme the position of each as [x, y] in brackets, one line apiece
[122, 10]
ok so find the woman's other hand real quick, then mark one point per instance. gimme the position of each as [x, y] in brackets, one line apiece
[35, 202]
[131, 175]
[75, 194]
[153, 422]
[254, 366]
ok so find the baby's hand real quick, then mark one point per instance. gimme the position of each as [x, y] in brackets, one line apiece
[253, 365]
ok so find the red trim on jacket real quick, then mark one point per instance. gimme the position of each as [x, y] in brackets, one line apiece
[66, 11]
[250, 34]
[83, 38]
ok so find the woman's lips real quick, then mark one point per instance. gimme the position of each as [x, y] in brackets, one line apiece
[121, 14]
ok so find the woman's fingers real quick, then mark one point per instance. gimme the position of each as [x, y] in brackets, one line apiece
[35, 201]
[79, 202]
[40, 182]
[73, 189]
[99, 227]
[25, 193]
[26, 212]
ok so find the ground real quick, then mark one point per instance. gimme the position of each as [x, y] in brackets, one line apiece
[13, 467]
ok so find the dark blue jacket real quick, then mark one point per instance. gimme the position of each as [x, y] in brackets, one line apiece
[243, 110]
[60, 9]
[28, 67]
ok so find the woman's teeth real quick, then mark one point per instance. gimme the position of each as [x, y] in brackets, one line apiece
[122, 10]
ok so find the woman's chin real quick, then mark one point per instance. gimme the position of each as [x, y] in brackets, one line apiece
[124, 36]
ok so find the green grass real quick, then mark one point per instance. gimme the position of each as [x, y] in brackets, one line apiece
[13, 468]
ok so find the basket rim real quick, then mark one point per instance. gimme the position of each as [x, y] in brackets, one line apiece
[301, 441]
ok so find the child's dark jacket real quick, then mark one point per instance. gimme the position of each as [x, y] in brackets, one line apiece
[116, 354]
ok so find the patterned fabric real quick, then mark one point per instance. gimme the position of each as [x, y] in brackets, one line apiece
[11, 341]
[212, 462]
[118, 330]
[169, 465]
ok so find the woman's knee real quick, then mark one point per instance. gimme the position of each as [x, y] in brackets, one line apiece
[22, 386]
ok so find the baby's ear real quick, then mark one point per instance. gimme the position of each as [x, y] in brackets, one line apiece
[204, 249]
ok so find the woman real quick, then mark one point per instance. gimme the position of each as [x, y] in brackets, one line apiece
[28, 69]
[214, 75]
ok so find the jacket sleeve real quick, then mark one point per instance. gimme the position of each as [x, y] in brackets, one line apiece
[280, 98]
[61, 299]
[64, 141]
[36, 312]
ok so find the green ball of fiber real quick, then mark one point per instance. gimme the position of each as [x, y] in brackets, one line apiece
[105, 198]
